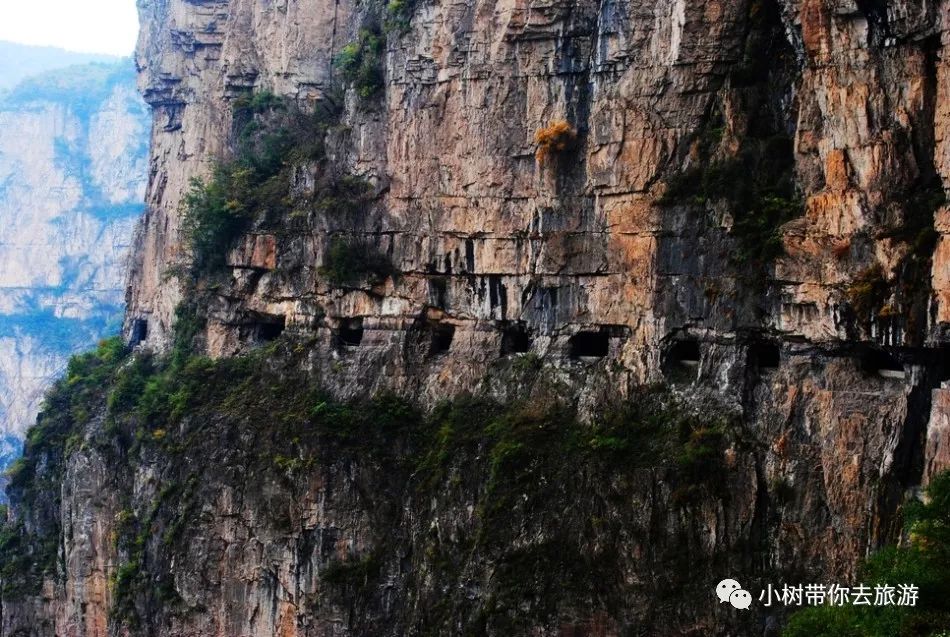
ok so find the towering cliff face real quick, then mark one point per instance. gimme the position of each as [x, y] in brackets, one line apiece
[832, 111]
[483, 233]
[73, 159]
[538, 203]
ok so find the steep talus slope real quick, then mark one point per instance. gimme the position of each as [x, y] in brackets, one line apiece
[73, 160]
[552, 207]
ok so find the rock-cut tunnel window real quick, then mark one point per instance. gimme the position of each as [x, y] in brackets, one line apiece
[442, 335]
[764, 355]
[350, 332]
[515, 339]
[139, 332]
[589, 344]
[883, 364]
[269, 328]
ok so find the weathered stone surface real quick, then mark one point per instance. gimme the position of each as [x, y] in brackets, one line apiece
[451, 149]
[845, 410]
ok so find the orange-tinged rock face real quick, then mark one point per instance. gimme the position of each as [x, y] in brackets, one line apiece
[255, 251]
[937, 457]
[287, 626]
[636, 257]
[816, 30]
[941, 268]
[837, 173]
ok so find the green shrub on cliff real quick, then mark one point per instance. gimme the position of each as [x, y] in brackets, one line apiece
[352, 261]
[361, 65]
[212, 219]
[272, 136]
[922, 563]
[399, 15]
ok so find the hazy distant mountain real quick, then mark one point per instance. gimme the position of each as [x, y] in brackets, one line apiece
[19, 61]
[73, 159]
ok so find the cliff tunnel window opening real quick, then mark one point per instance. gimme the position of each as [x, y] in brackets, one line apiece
[515, 339]
[441, 336]
[139, 331]
[943, 365]
[270, 328]
[350, 332]
[685, 352]
[590, 344]
[765, 355]
[881, 363]
[681, 360]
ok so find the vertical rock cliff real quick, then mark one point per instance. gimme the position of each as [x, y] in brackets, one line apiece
[647, 294]
[73, 153]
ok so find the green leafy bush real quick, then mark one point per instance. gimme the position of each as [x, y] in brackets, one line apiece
[399, 15]
[922, 563]
[272, 136]
[360, 63]
[213, 217]
[350, 261]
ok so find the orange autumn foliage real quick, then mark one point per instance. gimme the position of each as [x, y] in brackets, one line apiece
[554, 139]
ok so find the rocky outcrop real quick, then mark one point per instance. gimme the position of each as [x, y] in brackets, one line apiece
[72, 175]
[463, 203]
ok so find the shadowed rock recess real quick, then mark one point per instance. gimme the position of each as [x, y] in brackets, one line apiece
[504, 318]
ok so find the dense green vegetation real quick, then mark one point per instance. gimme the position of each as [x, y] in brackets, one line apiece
[361, 63]
[923, 563]
[352, 261]
[272, 136]
[253, 189]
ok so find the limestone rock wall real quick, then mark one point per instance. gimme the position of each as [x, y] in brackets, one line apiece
[463, 199]
[833, 351]
[484, 235]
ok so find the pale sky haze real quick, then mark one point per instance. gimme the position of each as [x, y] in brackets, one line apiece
[86, 26]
